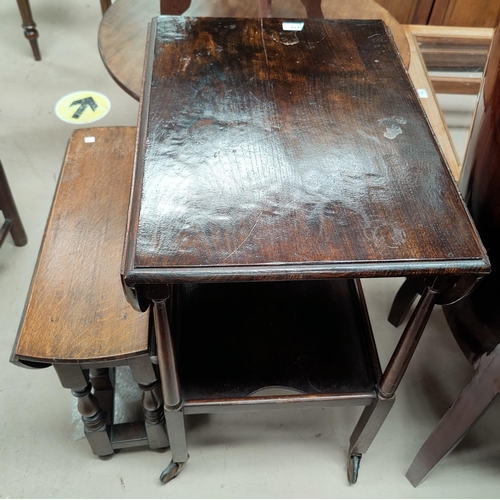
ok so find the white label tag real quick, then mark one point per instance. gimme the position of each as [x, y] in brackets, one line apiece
[292, 26]
[89, 139]
[422, 93]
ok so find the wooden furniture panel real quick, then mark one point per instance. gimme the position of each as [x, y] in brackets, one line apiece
[408, 12]
[122, 33]
[75, 308]
[474, 13]
[308, 336]
[250, 122]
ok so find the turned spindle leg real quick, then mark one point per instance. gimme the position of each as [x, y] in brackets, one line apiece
[94, 421]
[154, 417]
[103, 383]
[29, 26]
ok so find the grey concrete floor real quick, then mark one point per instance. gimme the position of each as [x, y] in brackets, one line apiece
[262, 454]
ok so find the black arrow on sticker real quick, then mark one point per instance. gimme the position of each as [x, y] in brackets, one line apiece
[88, 101]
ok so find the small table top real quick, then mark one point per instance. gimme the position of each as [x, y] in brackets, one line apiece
[123, 30]
[276, 151]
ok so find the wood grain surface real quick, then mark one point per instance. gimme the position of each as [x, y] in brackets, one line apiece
[477, 13]
[76, 310]
[123, 30]
[266, 153]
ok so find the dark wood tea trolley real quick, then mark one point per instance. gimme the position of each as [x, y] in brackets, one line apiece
[278, 162]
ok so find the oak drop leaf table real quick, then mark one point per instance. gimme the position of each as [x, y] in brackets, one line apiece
[278, 162]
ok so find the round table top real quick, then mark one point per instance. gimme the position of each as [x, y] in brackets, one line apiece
[123, 30]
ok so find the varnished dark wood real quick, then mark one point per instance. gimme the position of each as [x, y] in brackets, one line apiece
[269, 154]
[408, 342]
[13, 223]
[123, 31]
[252, 165]
[309, 336]
[468, 408]
[29, 26]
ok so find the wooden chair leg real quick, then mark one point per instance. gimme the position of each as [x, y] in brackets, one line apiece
[9, 209]
[29, 26]
[105, 5]
[462, 415]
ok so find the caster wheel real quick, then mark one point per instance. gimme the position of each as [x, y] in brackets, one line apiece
[104, 458]
[171, 471]
[353, 468]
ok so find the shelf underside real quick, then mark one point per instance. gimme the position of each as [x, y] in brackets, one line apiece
[234, 339]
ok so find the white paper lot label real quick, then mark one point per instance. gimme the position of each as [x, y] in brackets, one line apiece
[293, 26]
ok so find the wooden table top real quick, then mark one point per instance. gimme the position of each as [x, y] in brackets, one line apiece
[274, 154]
[123, 30]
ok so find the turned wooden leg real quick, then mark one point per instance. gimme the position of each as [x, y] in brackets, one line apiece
[154, 417]
[94, 421]
[29, 26]
[462, 415]
[103, 383]
[105, 5]
[12, 220]
[407, 344]
[171, 391]
[174, 7]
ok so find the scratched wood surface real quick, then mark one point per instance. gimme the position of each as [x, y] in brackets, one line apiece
[123, 30]
[76, 309]
[267, 152]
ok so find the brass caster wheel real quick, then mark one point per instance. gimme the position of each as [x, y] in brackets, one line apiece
[353, 468]
[171, 471]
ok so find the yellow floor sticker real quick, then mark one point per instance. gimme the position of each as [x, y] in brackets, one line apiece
[85, 106]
